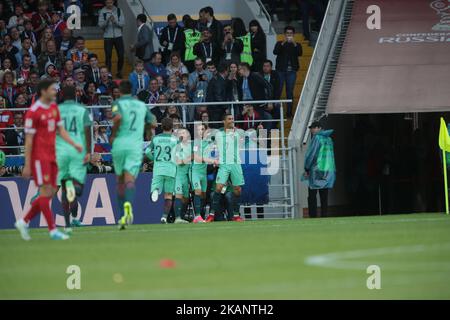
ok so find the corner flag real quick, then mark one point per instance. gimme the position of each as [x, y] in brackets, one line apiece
[444, 144]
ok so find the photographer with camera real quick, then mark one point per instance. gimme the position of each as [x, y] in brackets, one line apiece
[198, 81]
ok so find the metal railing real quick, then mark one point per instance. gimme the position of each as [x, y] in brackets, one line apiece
[144, 11]
[263, 12]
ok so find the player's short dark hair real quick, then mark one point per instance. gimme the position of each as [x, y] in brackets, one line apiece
[291, 28]
[44, 85]
[171, 16]
[69, 92]
[125, 87]
[142, 18]
[225, 115]
[167, 124]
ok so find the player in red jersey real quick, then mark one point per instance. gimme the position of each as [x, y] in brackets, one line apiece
[42, 123]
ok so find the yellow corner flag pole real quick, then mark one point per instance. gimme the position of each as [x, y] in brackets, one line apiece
[444, 144]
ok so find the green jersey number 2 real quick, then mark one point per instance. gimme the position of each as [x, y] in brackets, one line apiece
[133, 120]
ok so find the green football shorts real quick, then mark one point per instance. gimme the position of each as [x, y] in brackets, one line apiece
[233, 171]
[127, 161]
[199, 180]
[182, 185]
[164, 184]
[71, 166]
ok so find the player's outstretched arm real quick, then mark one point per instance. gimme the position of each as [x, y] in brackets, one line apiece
[26, 172]
[63, 134]
[116, 124]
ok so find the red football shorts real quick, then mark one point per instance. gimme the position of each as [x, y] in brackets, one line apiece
[44, 172]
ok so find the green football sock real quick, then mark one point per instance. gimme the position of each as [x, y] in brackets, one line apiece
[198, 205]
[178, 207]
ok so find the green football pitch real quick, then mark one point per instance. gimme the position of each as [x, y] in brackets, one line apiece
[272, 259]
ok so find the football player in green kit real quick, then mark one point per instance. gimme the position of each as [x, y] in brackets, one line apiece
[183, 158]
[162, 152]
[131, 118]
[198, 177]
[228, 141]
[72, 164]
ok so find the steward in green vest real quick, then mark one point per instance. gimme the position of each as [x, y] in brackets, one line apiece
[246, 55]
[192, 36]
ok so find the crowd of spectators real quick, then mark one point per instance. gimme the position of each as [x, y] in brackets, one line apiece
[199, 61]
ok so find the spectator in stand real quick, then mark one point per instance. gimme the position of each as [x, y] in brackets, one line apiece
[93, 71]
[51, 55]
[79, 53]
[272, 77]
[66, 42]
[15, 137]
[6, 66]
[172, 38]
[106, 84]
[152, 94]
[232, 84]
[258, 45]
[112, 20]
[207, 49]
[252, 86]
[191, 36]
[287, 64]
[32, 83]
[211, 67]
[15, 38]
[159, 111]
[27, 49]
[18, 18]
[102, 136]
[58, 25]
[231, 47]
[91, 97]
[161, 83]
[156, 68]
[41, 19]
[28, 33]
[187, 112]
[80, 79]
[172, 88]
[175, 66]
[198, 82]
[46, 35]
[68, 70]
[21, 99]
[209, 22]
[7, 50]
[217, 93]
[251, 118]
[9, 89]
[24, 70]
[139, 78]
[143, 47]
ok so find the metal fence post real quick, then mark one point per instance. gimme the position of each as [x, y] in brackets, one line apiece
[92, 131]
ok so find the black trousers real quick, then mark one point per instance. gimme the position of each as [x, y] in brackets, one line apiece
[117, 43]
[312, 202]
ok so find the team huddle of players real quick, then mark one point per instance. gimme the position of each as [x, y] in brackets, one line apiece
[58, 138]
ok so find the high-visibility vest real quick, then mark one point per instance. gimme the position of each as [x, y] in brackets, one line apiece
[246, 55]
[192, 37]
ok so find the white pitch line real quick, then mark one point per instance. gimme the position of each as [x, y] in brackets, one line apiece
[338, 260]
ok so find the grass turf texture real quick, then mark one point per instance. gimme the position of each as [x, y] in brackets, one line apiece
[277, 259]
